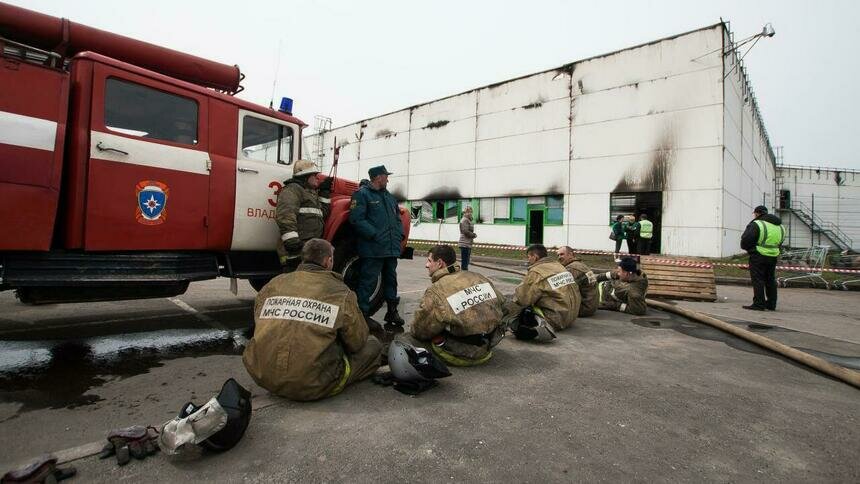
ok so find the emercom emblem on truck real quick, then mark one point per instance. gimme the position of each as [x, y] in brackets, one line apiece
[151, 202]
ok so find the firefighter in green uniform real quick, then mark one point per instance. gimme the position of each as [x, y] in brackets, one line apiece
[461, 313]
[762, 239]
[587, 290]
[646, 233]
[303, 204]
[375, 216]
[623, 290]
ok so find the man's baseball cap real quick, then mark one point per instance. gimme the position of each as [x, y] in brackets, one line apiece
[378, 170]
[760, 209]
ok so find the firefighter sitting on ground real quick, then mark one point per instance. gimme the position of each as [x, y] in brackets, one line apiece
[623, 290]
[310, 339]
[460, 315]
[546, 301]
[587, 290]
[303, 205]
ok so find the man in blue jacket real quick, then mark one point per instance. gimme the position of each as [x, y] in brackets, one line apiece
[376, 218]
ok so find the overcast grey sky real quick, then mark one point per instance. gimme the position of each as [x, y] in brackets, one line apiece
[351, 60]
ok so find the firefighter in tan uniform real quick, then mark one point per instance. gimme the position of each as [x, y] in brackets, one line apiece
[624, 289]
[546, 301]
[461, 313]
[303, 204]
[587, 290]
[310, 339]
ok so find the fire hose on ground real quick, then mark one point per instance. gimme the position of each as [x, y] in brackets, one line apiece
[846, 375]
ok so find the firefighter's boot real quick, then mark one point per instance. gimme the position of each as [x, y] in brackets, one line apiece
[392, 316]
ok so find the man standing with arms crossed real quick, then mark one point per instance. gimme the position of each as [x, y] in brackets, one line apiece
[376, 218]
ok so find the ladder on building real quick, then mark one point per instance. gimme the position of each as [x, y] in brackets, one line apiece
[818, 226]
[322, 124]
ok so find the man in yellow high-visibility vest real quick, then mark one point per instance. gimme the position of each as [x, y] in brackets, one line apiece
[646, 233]
[762, 239]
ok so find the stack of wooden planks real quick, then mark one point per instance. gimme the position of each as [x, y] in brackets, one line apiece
[678, 280]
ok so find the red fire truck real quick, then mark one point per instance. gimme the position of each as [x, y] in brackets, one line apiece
[128, 170]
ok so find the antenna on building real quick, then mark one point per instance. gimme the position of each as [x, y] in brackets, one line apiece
[766, 31]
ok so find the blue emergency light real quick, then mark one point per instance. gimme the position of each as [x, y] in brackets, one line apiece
[286, 106]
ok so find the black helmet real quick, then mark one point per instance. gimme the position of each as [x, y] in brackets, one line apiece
[236, 401]
[217, 425]
[409, 363]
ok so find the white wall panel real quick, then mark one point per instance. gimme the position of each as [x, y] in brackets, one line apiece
[397, 122]
[690, 90]
[449, 109]
[445, 186]
[541, 87]
[550, 115]
[444, 159]
[542, 178]
[698, 242]
[455, 132]
[666, 58]
[524, 149]
[682, 129]
[692, 208]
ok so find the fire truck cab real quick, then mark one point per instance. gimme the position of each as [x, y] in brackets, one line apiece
[123, 181]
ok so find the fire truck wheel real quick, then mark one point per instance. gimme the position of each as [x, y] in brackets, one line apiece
[346, 263]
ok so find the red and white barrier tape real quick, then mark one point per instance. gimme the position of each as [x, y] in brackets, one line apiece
[677, 262]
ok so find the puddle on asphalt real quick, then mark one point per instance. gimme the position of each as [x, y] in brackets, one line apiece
[703, 331]
[698, 330]
[62, 374]
[852, 362]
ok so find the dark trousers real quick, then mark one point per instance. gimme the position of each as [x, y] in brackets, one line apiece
[618, 246]
[643, 246]
[371, 267]
[763, 277]
[465, 257]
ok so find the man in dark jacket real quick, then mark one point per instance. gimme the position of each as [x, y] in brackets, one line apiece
[376, 218]
[761, 239]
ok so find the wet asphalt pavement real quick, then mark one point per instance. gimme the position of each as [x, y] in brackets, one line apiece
[70, 372]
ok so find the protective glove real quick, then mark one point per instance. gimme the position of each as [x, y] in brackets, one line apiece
[591, 276]
[135, 441]
[293, 246]
[42, 470]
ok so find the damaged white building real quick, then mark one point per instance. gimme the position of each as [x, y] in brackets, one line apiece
[669, 128]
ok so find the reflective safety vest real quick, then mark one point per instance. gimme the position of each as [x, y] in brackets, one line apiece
[646, 229]
[770, 237]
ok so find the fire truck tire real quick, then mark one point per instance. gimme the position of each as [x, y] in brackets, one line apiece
[347, 264]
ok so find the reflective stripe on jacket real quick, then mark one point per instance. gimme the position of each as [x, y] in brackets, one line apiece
[646, 229]
[459, 304]
[546, 287]
[770, 237]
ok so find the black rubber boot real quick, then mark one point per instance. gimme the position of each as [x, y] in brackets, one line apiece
[392, 316]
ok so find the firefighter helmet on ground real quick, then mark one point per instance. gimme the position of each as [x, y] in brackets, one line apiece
[409, 363]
